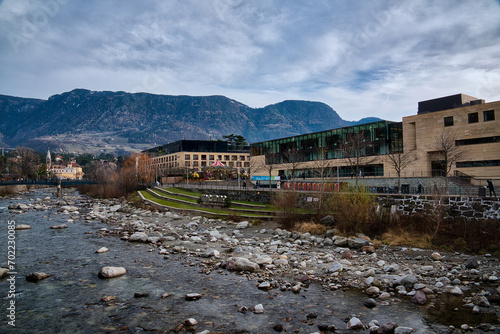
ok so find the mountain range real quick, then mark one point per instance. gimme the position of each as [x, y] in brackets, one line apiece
[118, 122]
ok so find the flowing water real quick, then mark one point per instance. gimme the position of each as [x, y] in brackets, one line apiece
[70, 301]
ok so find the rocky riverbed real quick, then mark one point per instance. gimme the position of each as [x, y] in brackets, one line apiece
[245, 278]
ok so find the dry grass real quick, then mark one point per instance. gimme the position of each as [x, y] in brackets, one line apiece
[7, 190]
[405, 238]
[311, 227]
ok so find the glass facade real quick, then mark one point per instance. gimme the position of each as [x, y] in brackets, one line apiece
[382, 138]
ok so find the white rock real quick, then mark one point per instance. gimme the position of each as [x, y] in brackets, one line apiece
[22, 227]
[109, 272]
[354, 323]
[264, 259]
[243, 264]
[102, 250]
[138, 236]
[243, 224]
[258, 309]
[456, 291]
[436, 256]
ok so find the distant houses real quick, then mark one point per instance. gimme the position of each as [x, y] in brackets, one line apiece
[63, 170]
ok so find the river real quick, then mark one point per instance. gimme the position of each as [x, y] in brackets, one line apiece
[71, 300]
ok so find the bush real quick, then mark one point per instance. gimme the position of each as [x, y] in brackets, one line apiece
[355, 213]
[286, 203]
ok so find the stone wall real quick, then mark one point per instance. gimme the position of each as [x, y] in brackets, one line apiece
[452, 206]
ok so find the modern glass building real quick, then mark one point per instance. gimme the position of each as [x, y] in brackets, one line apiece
[379, 138]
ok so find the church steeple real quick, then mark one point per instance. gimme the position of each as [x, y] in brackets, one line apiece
[48, 159]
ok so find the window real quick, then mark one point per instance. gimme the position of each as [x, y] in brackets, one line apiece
[242, 157]
[211, 157]
[219, 157]
[485, 163]
[188, 164]
[234, 157]
[187, 157]
[489, 115]
[195, 156]
[226, 157]
[473, 117]
[195, 163]
[448, 121]
[474, 141]
[203, 157]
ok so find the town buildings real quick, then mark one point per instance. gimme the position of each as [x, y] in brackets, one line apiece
[471, 125]
[63, 170]
[197, 155]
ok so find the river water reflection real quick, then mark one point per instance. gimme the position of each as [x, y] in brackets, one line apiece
[70, 301]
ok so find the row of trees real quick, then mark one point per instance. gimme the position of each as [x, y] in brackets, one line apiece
[354, 150]
[115, 181]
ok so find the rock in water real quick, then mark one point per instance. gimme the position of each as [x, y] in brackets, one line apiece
[109, 272]
[138, 237]
[3, 272]
[102, 250]
[419, 298]
[23, 227]
[192, 296]
[370, 303]
[37, 276]
[59, 227]
[354, 323]
[243, 264]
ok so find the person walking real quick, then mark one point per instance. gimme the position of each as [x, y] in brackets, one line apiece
[491, 187]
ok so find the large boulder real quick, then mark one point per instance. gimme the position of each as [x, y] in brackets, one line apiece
[37, 276]
[242, 264]
[327, 220]
[109, 272]
[356, 243]
[138, 237]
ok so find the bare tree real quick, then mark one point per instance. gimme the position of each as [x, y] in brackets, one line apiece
[399, 160]
[445, 146]
[355, 150]
[293, 159]
[27, 162]
[322, 166]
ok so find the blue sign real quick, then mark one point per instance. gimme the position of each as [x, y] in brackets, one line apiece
[265, 178]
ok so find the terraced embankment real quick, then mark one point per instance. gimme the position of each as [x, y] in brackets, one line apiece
[179, 200]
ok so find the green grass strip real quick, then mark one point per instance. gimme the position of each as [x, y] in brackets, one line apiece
[177, 205]
[198, 194]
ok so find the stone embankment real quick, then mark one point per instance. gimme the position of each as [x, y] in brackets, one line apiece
[282, 260]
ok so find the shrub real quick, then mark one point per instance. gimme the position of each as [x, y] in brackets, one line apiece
[354, 213]
[286, 203]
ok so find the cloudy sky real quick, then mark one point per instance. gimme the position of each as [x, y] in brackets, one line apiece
[363, 58]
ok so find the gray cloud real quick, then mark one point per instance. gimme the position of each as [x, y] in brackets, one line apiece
[362, 58]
